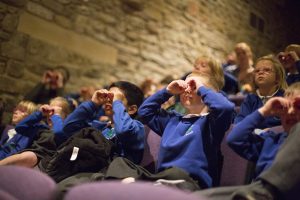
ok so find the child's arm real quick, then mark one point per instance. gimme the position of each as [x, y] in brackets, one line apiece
[84, 113]
[241, 138]
[25, 126]
[128, 130]
[80, 117]
[245, 110]
[150, 111]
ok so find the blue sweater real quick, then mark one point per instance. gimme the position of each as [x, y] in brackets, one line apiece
[257, 148]
[251, 104]
[26, 130]
[292, 78]
[189, 143]
[129, 133]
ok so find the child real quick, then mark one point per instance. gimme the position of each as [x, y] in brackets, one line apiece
[190, 144]
[244, 66]
[262, 148]
[120, 104]
[290, 59]
[16, 137]
[269, 81]
[46, 140]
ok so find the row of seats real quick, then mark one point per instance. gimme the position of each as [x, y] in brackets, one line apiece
[28, 184]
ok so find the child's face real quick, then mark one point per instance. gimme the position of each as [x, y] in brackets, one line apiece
[202, 67]
[264, 74]
[189, 99]
[292, 116]
[19, 114]
[118, 95]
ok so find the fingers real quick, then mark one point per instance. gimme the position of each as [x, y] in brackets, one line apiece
[102, 96]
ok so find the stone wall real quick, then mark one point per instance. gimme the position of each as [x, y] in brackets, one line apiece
[101, 41]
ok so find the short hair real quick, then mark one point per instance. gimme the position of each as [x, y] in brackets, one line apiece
[29, 106]
[278, 68]
[216, 70]
[133, 94]
[64, 71]
[293, 89]
[207, 81]
[293, 47]
[66, 105]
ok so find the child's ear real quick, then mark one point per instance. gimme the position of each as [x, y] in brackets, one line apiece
[132, 109]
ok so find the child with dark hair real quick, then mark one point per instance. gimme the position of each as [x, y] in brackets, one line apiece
[120, 104]
[190, 145]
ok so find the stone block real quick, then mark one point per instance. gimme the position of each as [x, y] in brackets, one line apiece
[15, 68]
[10, 22]
[40, 10]
[13, 50]
[17, 3]
[63, 21]
[53, 5]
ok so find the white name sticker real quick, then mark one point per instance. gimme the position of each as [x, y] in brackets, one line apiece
[74, 153]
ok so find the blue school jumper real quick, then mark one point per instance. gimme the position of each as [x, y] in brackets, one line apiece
[26, 130]
[251, 104]
[128, 134]
[261, 148]
[189, 142]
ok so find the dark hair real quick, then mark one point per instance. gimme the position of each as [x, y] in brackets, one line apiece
[65, 72]
[133, 93]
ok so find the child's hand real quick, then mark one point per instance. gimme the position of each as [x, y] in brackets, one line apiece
[46, 110]
[193, 85]
[293, 55]
[296, 105]
[46, 79]
[276, 106]
[177, 87]
[117, 94]
[102, 96]
[57, 110]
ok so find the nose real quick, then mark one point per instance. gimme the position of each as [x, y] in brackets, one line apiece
[291, 110]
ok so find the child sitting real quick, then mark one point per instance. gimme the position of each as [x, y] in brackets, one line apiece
[190, 144]
[46, 140]
[16, 136]
[120, 104]
[269, 81]
[262, 148]
[290, 59]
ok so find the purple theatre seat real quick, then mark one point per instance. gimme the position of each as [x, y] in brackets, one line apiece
[26, 184]
[234, 167]
[151, 149]
[6, 196]
[134, 191]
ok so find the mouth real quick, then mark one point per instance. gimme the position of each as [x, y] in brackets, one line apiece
[108, 107]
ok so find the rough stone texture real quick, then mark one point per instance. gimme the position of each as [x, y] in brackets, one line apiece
[148, 39]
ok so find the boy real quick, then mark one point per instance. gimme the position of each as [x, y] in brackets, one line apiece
[263, 148]
[120, 104]
[190, 144]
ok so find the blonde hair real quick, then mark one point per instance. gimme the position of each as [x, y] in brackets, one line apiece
[207, 81]
[29, 106]
[293, 47]
[293, 89]
[64, 104]
[216, 68]
[278, 70]
[247, 49]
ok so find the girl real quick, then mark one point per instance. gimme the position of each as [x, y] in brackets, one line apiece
[269, 81]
